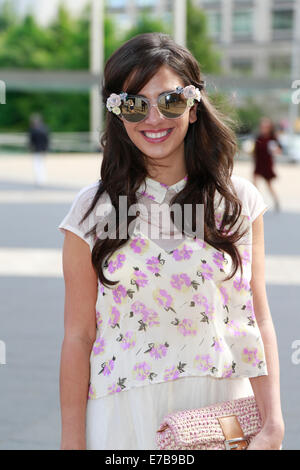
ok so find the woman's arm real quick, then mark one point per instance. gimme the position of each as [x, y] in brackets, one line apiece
[81, 284]
[266, 388]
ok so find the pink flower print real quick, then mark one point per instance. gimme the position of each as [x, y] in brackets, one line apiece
[173, 372]
[100, 287]
[217, 344]
[200, 243]
[163, 299]
[224, 295]
[147, 195]
[116, 262]
[235, 329]
[228, 370]
[98, 347]
[139, 245]
[253, 357]
[200, 299]
[114, 317]
[181, 282]
[153, 264]
[91, 392]
[128, 340]
[119, 294]
[150, 317]
[99, 320]
[240, 284]
[203, 362]
[139, 278]
[138, 307]
[159, 350]
[246, 257]
[141, 371]
[205, 271]
[183, 253]
[116, 387]
[187, 327]
[208, 313]
[218, 259]
[107, 367]
[249, 308]
[218, 219]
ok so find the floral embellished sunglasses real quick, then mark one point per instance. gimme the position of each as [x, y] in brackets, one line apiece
[172, 105]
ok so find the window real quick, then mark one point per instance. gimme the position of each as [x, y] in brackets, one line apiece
[283, 20]
[243, 24]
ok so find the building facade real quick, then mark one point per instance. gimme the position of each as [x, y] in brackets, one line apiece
[254, 36]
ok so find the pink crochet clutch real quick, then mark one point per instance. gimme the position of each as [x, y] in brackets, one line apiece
[227, 425]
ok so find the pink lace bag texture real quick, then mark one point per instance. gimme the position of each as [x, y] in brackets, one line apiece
[200, 429]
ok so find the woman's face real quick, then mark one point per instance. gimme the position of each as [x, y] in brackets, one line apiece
[265, 126]
[171, 148]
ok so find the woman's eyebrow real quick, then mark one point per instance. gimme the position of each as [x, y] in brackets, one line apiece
[167, 91]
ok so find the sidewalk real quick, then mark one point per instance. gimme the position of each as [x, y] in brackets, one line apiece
[74, 171]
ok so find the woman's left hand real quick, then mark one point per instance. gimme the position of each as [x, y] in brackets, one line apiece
[267, 439]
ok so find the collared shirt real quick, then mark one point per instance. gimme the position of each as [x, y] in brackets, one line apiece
[170, 313]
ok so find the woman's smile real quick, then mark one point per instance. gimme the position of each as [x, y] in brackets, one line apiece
[157, 136]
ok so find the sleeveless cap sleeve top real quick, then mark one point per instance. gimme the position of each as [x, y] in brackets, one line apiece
[171, 314]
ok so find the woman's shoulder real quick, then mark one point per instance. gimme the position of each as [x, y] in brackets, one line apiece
[251, 198]
[86, 194]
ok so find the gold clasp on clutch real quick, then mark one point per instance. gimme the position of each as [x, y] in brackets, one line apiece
[229, 446]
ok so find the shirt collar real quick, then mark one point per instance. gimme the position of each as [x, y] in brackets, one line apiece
[157, 191]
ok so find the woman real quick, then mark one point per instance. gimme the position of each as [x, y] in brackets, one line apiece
[166, 324]
[266, 145]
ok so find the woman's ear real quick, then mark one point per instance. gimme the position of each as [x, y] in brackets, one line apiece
[193, 114]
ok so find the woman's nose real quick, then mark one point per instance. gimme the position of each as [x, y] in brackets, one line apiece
[154, 114]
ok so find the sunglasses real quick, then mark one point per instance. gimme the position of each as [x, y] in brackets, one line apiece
[171, 105]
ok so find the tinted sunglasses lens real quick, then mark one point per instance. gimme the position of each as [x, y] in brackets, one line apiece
[134, 109]
[172, 105]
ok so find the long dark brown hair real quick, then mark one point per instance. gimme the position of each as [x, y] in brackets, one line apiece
[210, 147]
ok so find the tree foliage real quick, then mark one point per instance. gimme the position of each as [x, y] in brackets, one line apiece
[198, 41]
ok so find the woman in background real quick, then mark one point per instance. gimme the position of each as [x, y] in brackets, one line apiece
[266, 146]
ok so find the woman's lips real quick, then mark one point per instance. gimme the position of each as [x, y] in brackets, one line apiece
[159, 139]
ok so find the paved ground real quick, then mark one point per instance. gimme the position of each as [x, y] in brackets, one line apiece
[32, 292]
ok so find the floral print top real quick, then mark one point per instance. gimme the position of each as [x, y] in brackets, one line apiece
[171, 314]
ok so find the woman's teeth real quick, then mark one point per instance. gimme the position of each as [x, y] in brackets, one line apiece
[156, 135]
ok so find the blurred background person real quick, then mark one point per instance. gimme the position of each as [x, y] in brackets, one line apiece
[266, 147]
[39, 145]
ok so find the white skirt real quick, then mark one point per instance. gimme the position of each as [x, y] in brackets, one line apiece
[129, 420]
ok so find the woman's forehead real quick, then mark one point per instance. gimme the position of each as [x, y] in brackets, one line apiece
[164, 80]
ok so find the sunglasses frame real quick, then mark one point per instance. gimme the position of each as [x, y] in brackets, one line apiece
[165, 93]
[118, 100]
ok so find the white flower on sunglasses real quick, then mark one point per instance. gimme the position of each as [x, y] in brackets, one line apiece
[191, 93]
[113, 102]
